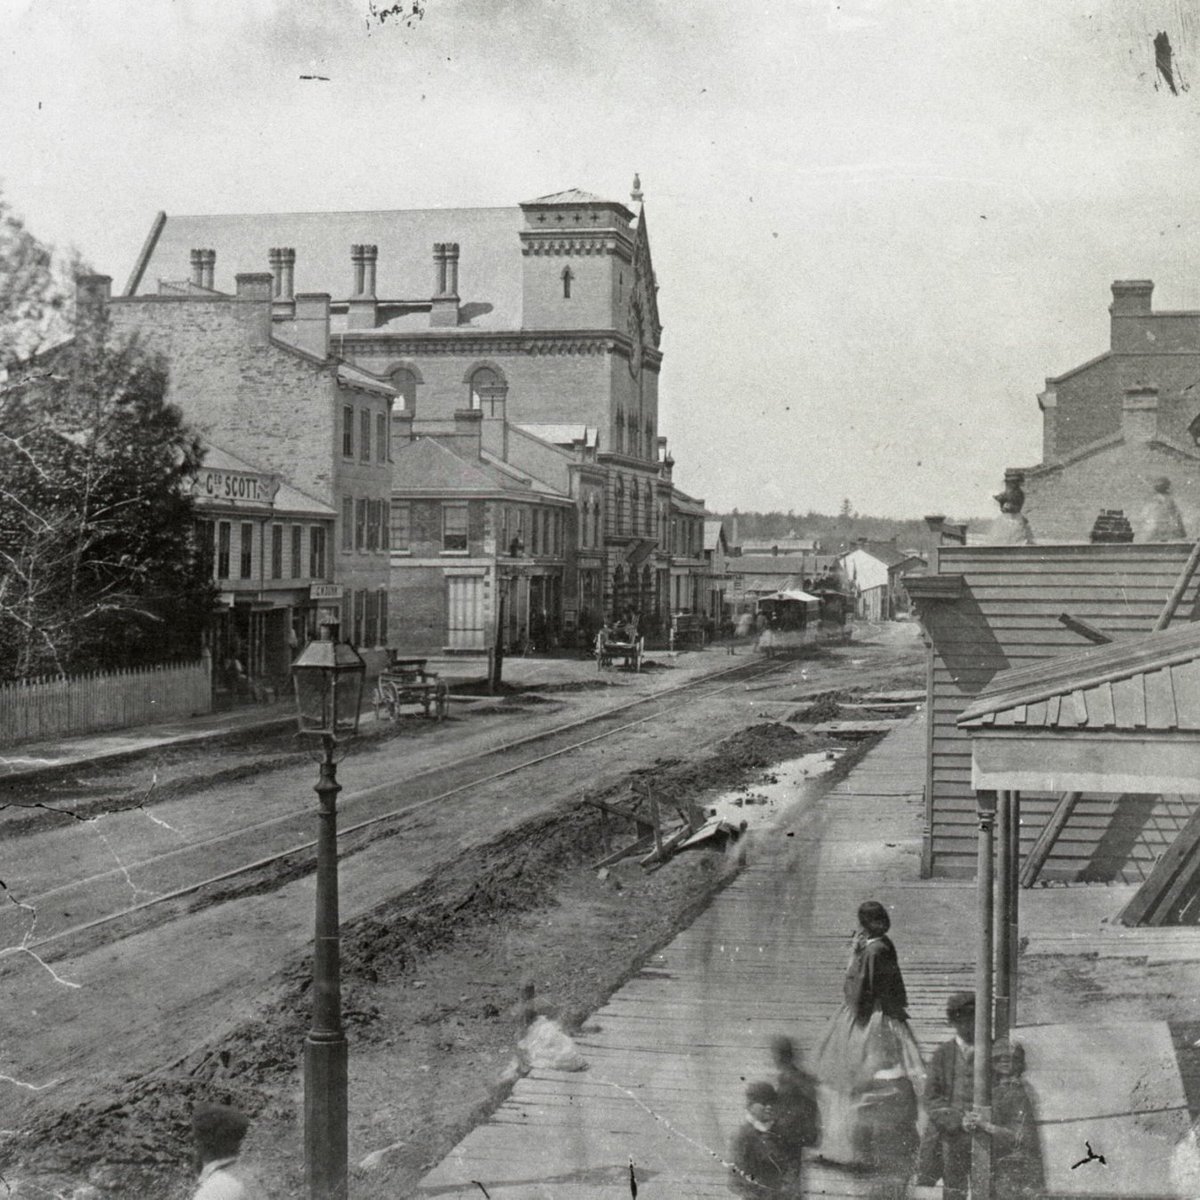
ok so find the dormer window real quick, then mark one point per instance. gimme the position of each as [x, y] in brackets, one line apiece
[567, 276]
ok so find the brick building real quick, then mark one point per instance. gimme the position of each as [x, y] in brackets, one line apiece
[1116, 423]
[543, 317]
[319, 426]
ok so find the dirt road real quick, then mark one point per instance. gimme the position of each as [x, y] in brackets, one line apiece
[158, 1000]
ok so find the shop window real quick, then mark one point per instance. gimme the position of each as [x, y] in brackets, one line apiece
[276, 551]
[400, 525]
[360, 606]
[297, 547]
[223, 532]
[454, 527]
[316, 552]
[364, 435]
[206, 545]
[347, 523]
[381, 441]
[246, 559]
[370, 607]
[360, 525]
[348, 431]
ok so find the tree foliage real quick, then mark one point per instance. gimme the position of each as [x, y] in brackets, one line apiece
[99, 565]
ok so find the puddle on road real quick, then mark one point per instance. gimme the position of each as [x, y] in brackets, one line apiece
[759, 804]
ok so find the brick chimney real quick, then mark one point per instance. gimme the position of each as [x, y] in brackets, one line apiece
[1048, 403]
[197, 261]
[361, 313]
[254, 306]
[444, 310]
[283, 265]
[1131, 297]
[468, 430]
[1139, 414]
[311, 325]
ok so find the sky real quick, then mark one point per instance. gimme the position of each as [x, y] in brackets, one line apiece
[877, 225]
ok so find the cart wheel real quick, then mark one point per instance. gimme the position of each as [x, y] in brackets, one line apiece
[442, 700]
[378, 701]
[391, 698]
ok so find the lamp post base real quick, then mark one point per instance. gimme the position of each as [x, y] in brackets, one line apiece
[325, 1085]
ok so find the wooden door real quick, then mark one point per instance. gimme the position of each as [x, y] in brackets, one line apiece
[464, 617]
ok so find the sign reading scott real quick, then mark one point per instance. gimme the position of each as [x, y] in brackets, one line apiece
[236, 485]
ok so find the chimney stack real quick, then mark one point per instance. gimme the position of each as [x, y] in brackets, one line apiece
[197, 277]
[1131, 297]
[254, 306]
[208, 262]
[361, 313]
[1139, 414]
[311, 326]
[283, 263]
[444, 310]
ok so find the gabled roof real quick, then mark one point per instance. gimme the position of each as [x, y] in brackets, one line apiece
[355, 377]
[1150, 682]
[429, 466]
[524, 478]
[570, 196]
[885, 552]
[489, 272]
[563, 435]
[713, 527]
[769, 564]
[287, 499]
[772, 583]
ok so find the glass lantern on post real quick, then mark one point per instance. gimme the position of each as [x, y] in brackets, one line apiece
[329, 677]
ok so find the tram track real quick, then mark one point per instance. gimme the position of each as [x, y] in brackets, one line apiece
[372, 813]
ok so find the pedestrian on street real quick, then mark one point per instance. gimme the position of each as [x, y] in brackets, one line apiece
[759, 1167]
[949, 1094]
[885, 1127]
[797, 1111]
[1016, 1155]
[869, 1034]
[217, 1131]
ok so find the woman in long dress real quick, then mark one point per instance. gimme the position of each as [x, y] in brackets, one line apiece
[868, 1045]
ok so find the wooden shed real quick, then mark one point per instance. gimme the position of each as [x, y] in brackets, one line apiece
[988, 609]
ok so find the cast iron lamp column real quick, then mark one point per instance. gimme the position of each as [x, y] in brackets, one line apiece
[329, 682]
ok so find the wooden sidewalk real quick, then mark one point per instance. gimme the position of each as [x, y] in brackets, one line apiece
[670, 1054]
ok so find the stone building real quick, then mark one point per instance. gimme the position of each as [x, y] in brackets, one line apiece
[542, 317]
[318, 425]
[1118, 423]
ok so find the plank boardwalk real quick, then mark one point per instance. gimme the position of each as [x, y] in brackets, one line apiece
[670, 1054]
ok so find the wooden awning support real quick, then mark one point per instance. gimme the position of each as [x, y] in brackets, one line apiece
[1041, 849]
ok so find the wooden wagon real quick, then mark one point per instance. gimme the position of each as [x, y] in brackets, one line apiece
[407, 681]
[630, 652]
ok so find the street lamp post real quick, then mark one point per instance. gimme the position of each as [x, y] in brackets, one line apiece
[328, 678]
[516, 548]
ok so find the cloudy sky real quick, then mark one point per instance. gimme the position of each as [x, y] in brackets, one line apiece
[877, 224]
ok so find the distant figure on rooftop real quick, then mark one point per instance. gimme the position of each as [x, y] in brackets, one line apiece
[868, 1047]
[1010, 527]
[1160, 519]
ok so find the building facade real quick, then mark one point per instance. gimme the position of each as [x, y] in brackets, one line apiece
[318, 426]
[1118, 423]
[542, 316]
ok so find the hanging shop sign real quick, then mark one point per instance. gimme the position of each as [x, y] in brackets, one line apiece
[245, 487]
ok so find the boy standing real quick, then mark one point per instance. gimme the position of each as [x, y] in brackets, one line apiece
[949, 1093]
[760, 1165]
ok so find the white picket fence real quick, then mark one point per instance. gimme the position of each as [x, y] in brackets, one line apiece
[58, 706]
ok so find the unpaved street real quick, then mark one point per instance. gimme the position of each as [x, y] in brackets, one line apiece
[157, 997]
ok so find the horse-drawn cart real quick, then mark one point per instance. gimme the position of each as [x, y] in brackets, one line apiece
[406, 681]
[630, 651]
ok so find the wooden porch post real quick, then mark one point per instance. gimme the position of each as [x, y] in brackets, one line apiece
[1002, 911]
[1014, 909]
[981, 1144]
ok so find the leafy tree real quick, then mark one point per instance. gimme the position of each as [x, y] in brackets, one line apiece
[99, 565]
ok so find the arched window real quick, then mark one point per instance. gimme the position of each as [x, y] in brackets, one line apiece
[405, 382]
[488, 391]
[567, 276]
[620, 447]
[649, 509]
[620, 514]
